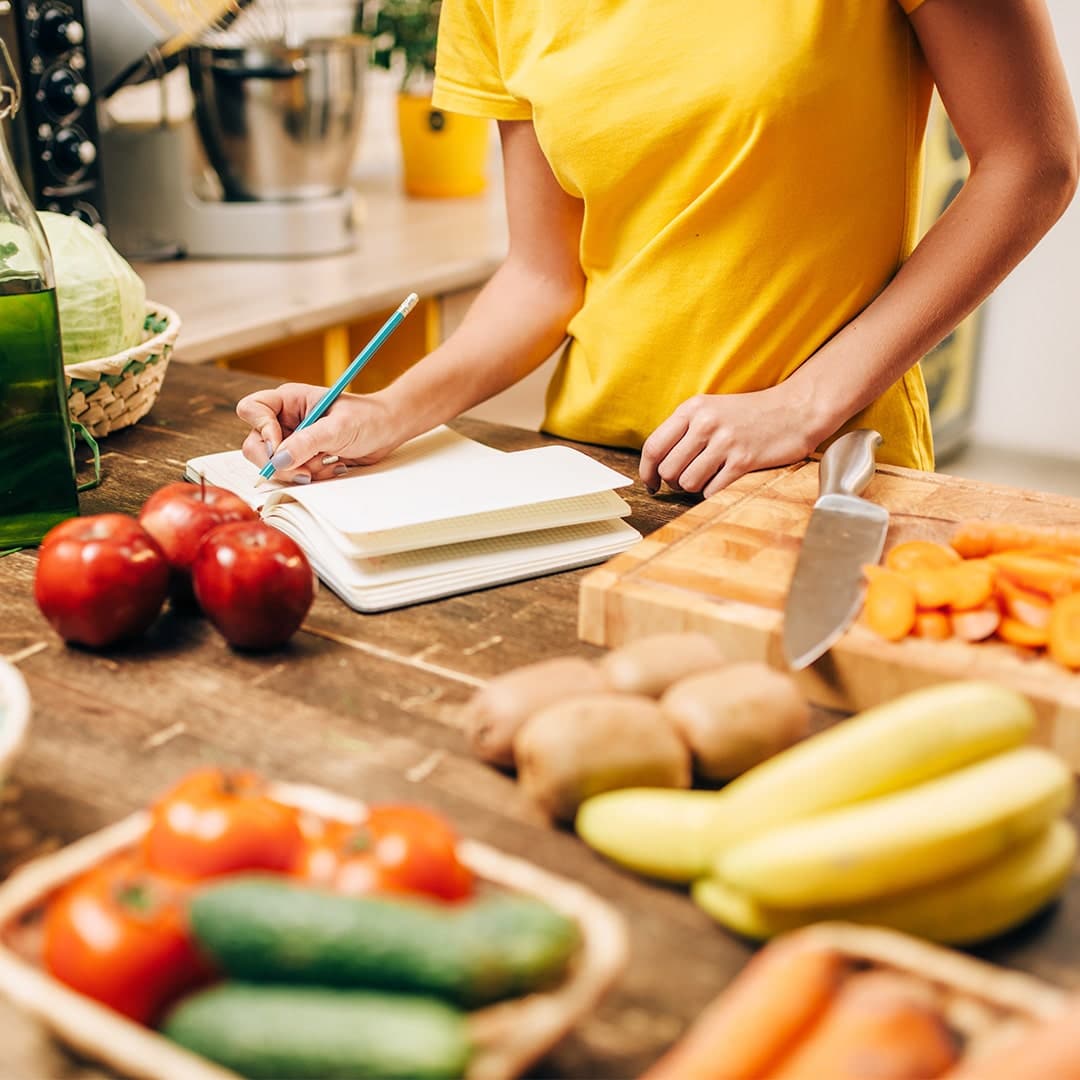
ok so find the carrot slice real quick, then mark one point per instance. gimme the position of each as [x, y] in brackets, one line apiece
[1024, 605]
[975, 539]
[890, 604]
[933, 624]
[966, 585]
[1065, 631]
[1016, 632]
[744, 1032]
[1053, 577]
[978, 624]
[881, 1027]
[920, 555]
[1049, 1051]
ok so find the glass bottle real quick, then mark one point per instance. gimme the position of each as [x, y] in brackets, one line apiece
[37, 466]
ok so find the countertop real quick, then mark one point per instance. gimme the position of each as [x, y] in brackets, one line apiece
[426, 246]
[365, 705]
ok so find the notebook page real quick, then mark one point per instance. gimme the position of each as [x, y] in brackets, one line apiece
[232, 470]
[465, 567]
[454, 484]
[602, 506]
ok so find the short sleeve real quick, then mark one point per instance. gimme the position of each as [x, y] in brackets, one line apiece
[910, 5]
[468, 78]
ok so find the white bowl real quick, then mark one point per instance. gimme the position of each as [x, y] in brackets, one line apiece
[14, 715]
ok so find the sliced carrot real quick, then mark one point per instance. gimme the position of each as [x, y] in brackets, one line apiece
[1016, 632]
[1024, 605]
[1053, 577]
[878, 1027]
[966, 585]
[975, 539]
[977, 624]
[890, 604]
[1049, 1050]
[1065, 631]
[920, 555]
[933, 624]
[753, 1024]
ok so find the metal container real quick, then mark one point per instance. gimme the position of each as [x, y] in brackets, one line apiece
[281, 123]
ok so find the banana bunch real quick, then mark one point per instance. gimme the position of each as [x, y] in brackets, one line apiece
[928, 814]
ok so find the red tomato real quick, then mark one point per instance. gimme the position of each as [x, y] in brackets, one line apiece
[100, 579]
[253, 583]
[119, 935]
[216, 822]
[178, 516]
[396, 849]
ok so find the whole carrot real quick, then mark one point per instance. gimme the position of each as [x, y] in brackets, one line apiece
[881, 1025]
[1049, 1051]
[976, 539]
[777, 998]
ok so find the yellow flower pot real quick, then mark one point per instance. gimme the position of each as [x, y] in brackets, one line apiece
[444, 154]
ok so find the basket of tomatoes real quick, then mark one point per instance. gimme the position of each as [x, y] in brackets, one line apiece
[240, 928]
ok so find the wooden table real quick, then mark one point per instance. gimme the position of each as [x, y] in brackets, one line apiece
[366, 705]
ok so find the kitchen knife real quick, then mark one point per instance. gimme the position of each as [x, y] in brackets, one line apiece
[844, 533]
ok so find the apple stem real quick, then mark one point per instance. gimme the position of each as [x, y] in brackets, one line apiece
[202, 486]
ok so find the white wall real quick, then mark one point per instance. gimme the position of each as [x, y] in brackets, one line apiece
[1028, 396]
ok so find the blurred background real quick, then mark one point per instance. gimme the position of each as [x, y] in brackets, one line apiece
[276, 173]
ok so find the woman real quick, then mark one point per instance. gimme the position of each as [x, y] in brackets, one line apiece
[716, 201]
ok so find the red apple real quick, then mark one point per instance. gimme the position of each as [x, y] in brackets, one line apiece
[178, 516]
[100, 579]
[253, 583]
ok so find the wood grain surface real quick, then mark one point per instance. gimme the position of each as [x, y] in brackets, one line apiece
[366, 706]
[726, 565]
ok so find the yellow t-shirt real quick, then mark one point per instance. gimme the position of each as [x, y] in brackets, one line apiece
[750, 171]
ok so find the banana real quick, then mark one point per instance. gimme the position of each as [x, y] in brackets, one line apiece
[912, 738]
[960, 910]
[909, 838]
[653, 831]
[674, 835]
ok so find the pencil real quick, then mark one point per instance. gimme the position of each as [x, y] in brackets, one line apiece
[350, 373]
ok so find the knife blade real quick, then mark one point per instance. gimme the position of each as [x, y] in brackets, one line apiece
[845, 531]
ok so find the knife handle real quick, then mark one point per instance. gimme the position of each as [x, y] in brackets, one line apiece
[847, 466]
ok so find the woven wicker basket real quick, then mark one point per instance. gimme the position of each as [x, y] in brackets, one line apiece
[112, 393]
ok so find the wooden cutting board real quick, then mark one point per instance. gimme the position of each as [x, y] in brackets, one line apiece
[724, 567]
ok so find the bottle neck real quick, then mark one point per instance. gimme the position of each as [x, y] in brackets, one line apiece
[25, 262]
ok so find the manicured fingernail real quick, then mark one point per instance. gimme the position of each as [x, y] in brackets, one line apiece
[302, 478]
[269, 448]
[651, 490]
[282, 460]
[331, 459]
[341, 470]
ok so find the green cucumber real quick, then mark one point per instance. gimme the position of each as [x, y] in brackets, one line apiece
[269, 929]
[307, 1033]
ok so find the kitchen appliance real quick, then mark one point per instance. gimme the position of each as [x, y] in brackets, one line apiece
[55, 139]
[844, 534]
[256, 164]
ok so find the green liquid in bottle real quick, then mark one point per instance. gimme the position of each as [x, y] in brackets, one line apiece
[37, 468]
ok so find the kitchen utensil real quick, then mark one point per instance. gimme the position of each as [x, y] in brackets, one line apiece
[845, 533]
[279, 122]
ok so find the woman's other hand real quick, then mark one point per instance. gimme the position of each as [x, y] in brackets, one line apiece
[356, 430]
[711, 440]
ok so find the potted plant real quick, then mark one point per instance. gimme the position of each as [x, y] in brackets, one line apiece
[443, 154]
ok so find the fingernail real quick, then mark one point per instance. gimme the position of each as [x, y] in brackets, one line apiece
[269, 448]
[282, 460]
[651, 490]
[341, 470]
[331, 459]
[302, 478]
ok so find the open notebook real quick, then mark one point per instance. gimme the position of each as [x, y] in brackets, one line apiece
[441, 515]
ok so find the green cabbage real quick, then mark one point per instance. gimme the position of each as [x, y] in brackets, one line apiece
[102, 301]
